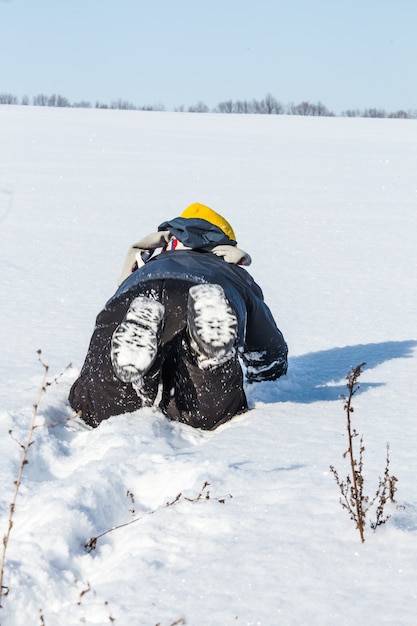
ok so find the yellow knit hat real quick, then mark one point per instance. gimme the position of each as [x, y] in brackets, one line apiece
[202, 212]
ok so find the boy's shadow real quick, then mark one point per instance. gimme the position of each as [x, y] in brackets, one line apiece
[321, 375]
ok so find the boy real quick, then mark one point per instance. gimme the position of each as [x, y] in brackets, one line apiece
[185, 311]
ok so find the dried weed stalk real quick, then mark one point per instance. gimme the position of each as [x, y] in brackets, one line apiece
[204, 494]
[4, 590]
[80, 602]
[353, 498]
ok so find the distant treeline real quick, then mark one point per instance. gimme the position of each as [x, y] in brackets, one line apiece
[267, 106]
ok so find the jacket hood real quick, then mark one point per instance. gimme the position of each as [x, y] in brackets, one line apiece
[196, 232]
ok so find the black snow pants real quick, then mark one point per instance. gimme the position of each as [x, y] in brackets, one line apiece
[201, 398]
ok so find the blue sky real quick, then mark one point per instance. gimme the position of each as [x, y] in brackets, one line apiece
[346, 54]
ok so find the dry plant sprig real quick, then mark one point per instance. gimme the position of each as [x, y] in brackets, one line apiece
[353, 497]
[25, 447]
[82, 593]
[4, 590]
[385, 492]
[131, 497]
[91, 544]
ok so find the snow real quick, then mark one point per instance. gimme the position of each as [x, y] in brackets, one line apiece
[327, 209]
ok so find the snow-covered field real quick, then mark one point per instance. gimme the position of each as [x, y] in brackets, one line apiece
[327, 207]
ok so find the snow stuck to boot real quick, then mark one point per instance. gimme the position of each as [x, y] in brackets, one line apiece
[212, 325]
[136, 340]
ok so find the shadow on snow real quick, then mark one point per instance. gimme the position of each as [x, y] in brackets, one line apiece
[321, 376]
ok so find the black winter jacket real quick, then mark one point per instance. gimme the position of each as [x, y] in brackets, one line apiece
[262, 345]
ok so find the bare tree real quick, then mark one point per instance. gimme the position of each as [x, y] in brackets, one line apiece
[242, 106]
[200, 107]
[374, 113]
[272, 106]
[225, 107]
[8, 98]
[40, 100]
[304, 108]
[259, 106]
[83, 104]
[122, 104]
[322, 110]
[400, 115]
[351, 113]
[61, 101]
[309, 108]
